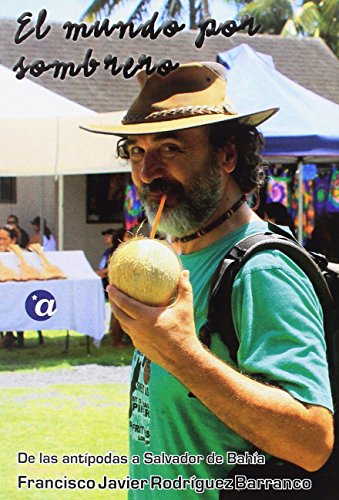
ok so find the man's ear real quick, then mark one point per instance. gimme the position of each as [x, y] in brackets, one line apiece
[228, 157]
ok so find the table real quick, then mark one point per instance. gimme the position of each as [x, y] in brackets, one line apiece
[76, 303]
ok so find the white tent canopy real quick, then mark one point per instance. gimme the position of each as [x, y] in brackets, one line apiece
[26, 99]
[40, 134]
[55, 146]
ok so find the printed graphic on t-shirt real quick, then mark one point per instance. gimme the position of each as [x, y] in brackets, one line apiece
[139, 416]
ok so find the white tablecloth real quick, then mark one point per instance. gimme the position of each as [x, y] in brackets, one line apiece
[76, 303]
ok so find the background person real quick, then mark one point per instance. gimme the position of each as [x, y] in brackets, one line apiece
[22, 236]
[112, 239]
[183, 139]
[8, 237]
[48, 245]
[321, 240]
[278, 214]
[102, 270]
[48, 240]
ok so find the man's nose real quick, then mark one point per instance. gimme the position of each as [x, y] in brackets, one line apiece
[153, 166]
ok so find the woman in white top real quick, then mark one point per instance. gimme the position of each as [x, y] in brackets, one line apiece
[48, 240]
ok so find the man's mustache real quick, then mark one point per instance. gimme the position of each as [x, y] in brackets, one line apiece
[161, 186]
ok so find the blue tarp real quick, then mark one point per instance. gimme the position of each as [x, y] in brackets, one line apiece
[305, 126]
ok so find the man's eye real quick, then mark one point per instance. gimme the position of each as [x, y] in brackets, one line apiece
[135, 152]
[169, 149]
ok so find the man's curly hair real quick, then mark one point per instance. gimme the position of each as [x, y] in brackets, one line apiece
[249, 172]
[122, 151]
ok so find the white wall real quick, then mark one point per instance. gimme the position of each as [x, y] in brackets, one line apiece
[78, 235]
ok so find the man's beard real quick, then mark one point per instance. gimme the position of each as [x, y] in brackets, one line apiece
[198, 201]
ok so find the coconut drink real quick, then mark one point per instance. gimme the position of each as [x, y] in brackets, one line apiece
[147, 270]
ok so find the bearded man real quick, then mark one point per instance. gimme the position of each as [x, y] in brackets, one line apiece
[183, 139]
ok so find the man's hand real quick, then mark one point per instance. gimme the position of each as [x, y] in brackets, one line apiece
[163, 334]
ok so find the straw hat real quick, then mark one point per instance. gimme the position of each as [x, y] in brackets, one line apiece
[190, 96]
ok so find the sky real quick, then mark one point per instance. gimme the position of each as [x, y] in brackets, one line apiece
[71, 10]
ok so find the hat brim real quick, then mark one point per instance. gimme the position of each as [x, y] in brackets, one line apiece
[110, 123]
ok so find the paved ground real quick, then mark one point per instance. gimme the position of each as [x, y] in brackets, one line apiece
[85, 374]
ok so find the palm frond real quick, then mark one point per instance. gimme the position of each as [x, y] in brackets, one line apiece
[141, 9]
[173, 9]
[100, 8]
[289, 29]
[258, 8]
[307, 18]
[202, 10]
[329, 9]
[329, 17]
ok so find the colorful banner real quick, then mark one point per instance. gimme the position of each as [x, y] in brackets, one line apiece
[321, 186]
[332, 205]
[278, 188]
[132, 207]
[308, 207]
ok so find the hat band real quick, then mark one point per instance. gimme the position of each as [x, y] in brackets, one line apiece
[182, 112]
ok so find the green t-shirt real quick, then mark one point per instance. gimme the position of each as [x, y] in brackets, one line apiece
[278, 319]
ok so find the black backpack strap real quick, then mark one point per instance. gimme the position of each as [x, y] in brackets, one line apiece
[219, 320]
[219, 316]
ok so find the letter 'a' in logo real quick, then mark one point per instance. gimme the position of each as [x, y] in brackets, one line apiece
[40, 305]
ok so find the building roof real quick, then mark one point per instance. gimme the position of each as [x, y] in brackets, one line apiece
[307, 61]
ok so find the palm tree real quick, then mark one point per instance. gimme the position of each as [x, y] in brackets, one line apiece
[285, 17]
[173, 9]
[282, 16]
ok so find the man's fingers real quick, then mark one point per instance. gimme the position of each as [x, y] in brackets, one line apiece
[131, 307]
[122, 317]
[185, 287]
[121, 301]
[136, 309]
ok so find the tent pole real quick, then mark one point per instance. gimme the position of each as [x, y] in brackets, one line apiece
[60, 212]
[60, 190]
[300, 201]
[42, 196]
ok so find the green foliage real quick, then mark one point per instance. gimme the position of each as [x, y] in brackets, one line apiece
[271, 14]
[307, 18]
[284, 17]
[52, 354]
[100, 8]
[328, 27]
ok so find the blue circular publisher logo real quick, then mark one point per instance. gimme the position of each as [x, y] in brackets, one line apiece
[40, 305]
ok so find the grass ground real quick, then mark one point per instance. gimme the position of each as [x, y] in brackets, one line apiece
[52, 353]
[58, 421]
[62, 420]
